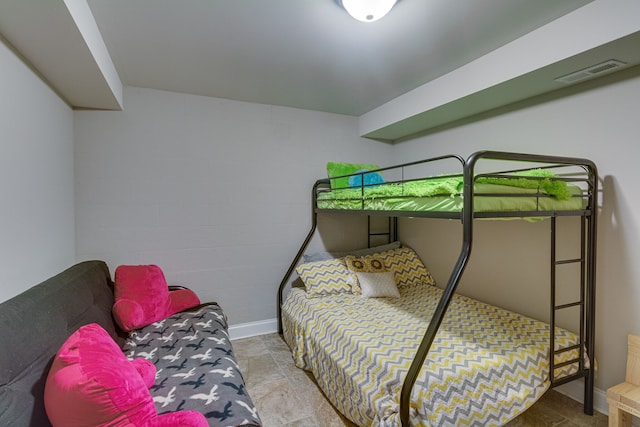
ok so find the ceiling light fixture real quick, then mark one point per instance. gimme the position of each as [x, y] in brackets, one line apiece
[367, 10]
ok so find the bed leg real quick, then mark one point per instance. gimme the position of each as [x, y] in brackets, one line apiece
[588, 394]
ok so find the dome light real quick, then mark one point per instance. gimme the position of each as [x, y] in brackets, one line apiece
[367, 10]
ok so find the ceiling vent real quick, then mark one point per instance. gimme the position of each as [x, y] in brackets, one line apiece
[592, 71]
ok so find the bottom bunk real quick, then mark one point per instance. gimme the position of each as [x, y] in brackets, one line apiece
[486, 365]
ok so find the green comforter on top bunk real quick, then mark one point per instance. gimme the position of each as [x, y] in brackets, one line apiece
[444, 194]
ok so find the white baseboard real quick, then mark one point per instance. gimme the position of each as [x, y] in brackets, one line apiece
[575, 390]
[252, 329]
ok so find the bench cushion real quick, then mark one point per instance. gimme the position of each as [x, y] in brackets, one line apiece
[195, 361]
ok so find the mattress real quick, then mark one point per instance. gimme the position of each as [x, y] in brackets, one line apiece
[486, 365]
[489, 198]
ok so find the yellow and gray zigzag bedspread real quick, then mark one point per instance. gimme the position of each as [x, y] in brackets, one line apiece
[486, 365]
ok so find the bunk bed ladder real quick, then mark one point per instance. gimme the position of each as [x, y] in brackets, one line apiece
[555, 307]
[585, 334]
[391, 232]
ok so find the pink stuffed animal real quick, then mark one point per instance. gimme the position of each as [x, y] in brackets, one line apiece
[143, 297]
[91, 383]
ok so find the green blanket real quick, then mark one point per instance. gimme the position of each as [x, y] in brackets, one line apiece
[452, 185]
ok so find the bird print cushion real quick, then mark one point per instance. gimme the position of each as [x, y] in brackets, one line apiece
[196, 367]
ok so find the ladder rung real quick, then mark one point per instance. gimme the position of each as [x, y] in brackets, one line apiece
[565, 363]
[379, 234]
[569, 261]
[571, 304]
[565, 349]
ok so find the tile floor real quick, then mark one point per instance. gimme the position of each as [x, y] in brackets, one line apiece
[287, 396]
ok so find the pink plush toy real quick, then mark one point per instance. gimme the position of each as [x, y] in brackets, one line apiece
[143, 297]
[91, 383]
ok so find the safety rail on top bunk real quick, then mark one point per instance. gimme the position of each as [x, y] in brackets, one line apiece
[466, 215]
[358, 198]
[325, 185]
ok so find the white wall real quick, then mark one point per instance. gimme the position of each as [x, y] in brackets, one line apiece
[215, 192]
[600, 124]
[36, 179]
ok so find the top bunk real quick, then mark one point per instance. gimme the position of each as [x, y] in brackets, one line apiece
[488, 184]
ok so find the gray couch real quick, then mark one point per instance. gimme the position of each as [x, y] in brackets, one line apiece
[34, 326]
[37, 322]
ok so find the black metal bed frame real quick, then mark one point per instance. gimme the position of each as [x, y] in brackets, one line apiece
[586, 260]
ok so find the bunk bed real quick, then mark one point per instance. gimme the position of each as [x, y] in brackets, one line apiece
[400, 388]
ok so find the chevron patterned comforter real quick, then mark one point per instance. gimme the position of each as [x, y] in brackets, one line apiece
[486, 365]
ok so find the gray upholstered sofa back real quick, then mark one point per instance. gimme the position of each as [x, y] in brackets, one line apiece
[33, 326]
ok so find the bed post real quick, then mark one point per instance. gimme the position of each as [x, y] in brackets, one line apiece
[314, 223]
[445, 299]
[592, 226]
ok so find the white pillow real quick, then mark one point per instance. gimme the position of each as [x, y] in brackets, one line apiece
[377, 285]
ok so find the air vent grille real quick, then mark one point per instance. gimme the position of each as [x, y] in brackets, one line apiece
[592, 71]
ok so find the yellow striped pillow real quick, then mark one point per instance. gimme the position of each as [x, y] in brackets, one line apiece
[325, 277]
[407, 267]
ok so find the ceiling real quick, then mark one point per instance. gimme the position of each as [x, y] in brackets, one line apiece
[305, 54]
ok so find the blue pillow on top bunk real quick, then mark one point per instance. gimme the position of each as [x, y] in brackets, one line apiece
[338, 172]
[371, 179]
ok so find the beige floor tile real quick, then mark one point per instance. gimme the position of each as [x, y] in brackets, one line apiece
[572, 410]
[328, 416]
[307, 422]
[538, 416]
[301, 381]
[262, 369]
[283, 358]
[275, 342]
[278, 403]
[253, 346]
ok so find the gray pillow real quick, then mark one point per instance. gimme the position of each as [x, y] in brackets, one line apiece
[325, 255]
